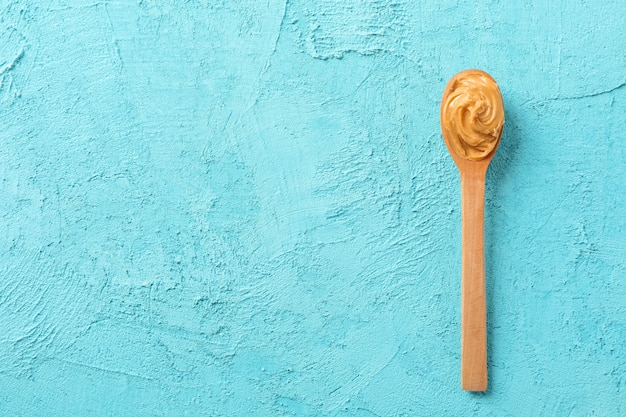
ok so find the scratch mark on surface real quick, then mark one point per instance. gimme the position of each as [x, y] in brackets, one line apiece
[545, 223]
[103, 369]
[113, 38]
[596, 94]
[82, 6]
[12, 50]
[279, 31]
[9, 66]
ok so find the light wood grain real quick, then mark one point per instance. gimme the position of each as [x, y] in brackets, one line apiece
[473, 294]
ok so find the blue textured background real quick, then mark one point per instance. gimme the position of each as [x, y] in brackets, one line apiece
[246, 208]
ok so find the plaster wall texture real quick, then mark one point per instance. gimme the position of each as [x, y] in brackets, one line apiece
[246, 208]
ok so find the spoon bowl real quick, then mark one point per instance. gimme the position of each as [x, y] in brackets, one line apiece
[472, 118]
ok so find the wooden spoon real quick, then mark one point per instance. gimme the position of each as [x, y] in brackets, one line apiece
[472, 118]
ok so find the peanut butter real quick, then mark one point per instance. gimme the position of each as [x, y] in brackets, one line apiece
[473, 115]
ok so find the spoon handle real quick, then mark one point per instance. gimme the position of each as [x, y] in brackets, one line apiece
[473, 297]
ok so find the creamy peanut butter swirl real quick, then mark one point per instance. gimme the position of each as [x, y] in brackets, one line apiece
[473, 115]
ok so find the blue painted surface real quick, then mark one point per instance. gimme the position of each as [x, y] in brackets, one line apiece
[246, 208]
